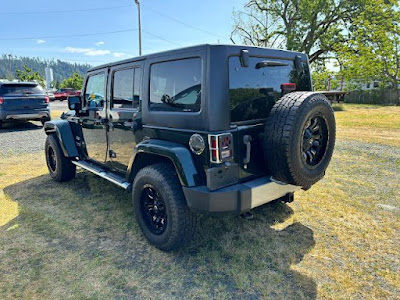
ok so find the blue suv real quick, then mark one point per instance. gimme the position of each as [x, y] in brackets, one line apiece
[23, 101]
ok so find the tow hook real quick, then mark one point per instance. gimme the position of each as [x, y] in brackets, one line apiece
[288, 198]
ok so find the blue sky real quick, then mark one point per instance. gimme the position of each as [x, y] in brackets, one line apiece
[47, 29]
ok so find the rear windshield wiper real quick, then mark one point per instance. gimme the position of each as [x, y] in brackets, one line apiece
[270, 63]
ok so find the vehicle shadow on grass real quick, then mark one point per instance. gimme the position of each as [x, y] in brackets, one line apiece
[79, 239]
[20, 126]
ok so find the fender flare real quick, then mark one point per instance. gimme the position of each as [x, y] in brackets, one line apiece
[62, 129]
[179, 155]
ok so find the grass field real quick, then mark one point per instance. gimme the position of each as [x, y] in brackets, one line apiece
[338, 240]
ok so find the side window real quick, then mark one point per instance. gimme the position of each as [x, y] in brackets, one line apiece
[126, 85]
[176, 85]
[95, 91]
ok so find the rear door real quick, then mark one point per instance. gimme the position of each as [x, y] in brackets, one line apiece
[253, 90]
[23, 96]
[124, 113]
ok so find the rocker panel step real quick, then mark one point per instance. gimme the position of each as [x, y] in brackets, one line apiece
[118, 180]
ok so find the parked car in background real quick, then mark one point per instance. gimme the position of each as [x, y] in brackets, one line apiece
[23, 101]
[63, 94]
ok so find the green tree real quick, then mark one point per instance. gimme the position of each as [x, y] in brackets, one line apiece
[310, 26]
[75, 82]
[61, 69]
[373, 51]
[27, 74]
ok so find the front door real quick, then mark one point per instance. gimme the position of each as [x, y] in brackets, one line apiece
[124, 114]
[94, 119]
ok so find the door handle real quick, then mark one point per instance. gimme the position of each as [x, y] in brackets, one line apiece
[247, 141]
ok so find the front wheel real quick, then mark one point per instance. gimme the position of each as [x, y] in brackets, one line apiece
[160, 207]
[60, 167]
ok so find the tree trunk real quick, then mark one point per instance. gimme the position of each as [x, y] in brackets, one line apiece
[397, 90]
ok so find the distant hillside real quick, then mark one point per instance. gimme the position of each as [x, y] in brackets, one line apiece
[61, 69]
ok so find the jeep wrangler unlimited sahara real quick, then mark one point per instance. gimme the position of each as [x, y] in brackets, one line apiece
[203, 129]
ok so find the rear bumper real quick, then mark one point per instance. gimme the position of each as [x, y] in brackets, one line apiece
[237, 198]
[12, 115]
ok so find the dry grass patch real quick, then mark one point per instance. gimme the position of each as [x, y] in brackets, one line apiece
[369, 123]
[55, 114]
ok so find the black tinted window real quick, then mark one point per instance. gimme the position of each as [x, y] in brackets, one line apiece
[95, 91]
[19, 89]
[126, 84]
[253, 90]
[176, 85]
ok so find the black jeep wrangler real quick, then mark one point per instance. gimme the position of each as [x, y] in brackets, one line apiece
[204, 129]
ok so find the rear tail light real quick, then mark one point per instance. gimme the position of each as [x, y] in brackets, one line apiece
[1, 100]
[288, 87]
[46, 99]
[221, 147]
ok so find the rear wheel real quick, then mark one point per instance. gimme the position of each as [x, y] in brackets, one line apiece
[300, 138]
[60, 167]
[160, 207]
[1, 124]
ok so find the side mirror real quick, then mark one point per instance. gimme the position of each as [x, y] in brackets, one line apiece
[74, 103]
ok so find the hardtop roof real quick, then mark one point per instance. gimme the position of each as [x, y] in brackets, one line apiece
[273, 52]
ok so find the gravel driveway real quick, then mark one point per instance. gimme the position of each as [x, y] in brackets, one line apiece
[25, 137]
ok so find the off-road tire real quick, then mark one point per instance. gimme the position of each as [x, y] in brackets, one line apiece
[1, 124]
[284, 131]
[60, 167]
[181, 222]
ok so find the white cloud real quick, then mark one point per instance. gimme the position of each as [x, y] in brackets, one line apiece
[94, 52]
[119, 54]
[87, 51]
[99, 43]
[77, 50]
[40, 41]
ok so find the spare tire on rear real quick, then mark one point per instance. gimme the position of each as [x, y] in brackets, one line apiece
[299, 138]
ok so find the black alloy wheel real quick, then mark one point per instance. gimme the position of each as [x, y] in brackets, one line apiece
[153, 209]
[315, 139]
[52, 160]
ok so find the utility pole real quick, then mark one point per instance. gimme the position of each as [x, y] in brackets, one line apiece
[140, 28]
[266, 28]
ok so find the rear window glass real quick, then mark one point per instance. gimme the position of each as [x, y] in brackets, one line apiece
[176, 85]
[253, 90]
[20, 89]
